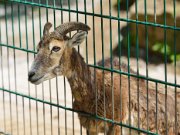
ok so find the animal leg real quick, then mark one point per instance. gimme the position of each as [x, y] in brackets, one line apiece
[114, 130]
[89, 132]
[117, 130]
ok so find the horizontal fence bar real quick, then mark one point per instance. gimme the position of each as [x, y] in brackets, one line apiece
[77, 111]
[17, 48]
[107, 69]
[137, 76]
[97, 15]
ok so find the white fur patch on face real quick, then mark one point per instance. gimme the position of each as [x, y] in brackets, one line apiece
[51, 46]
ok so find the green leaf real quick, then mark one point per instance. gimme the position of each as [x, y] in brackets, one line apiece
[172, 57]
[156, 47]
[160, 47]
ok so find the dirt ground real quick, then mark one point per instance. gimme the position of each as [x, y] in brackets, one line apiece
[23, 116]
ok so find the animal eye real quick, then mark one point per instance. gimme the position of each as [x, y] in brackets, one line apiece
[56, 48]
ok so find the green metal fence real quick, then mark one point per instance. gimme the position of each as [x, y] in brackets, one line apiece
[47, 108]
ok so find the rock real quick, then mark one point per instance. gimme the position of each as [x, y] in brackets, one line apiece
[155, 35]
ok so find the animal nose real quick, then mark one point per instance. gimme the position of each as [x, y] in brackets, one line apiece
[30, 75]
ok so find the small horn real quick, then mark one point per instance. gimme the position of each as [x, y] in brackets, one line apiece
[47, 27]
[63, 29]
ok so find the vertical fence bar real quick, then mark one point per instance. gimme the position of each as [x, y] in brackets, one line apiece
[57, 96]
[7, 41]
[156, 108]
[86, 37]
[47, 19]
[86, 49]
[62, 21]
[44, 112]
[29, 93]
[37, 116]
[50, 95]
[27, 47]
[137, 62]
[155, 12]
[61, 6]
[65, 103]
[175, 77]
[1, 54]
[94, 56]
[128, 43]
[54, 15]
[102, 39]
[165, 67]
[65, 106]
[69, 7]
[62, 16]
[19, 22]
[13, 41]
[77, 19]
[57, 93]
[147, 63]
[120, 61]
[156, 84]
[33, 36]
[47, 11]
[17, 115]
[2, 72]
[111, 59]
[9, 83]
[11, 125]
[40, 34]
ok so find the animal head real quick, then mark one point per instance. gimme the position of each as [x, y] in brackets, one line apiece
[52, 48]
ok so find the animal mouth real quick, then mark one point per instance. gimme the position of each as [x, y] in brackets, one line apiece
[37, 80]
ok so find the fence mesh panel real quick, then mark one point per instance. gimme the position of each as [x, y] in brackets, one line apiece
[137, 32]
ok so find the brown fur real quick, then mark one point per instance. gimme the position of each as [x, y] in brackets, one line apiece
[84, 85]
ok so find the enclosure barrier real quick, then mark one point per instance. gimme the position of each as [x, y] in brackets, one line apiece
[47, 108]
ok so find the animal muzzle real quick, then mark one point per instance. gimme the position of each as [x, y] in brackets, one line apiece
[31, 74]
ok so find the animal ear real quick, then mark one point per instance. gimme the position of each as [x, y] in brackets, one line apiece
[47, 27]
[77, 38]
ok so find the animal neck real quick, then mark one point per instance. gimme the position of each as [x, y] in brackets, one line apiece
[78, 75]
